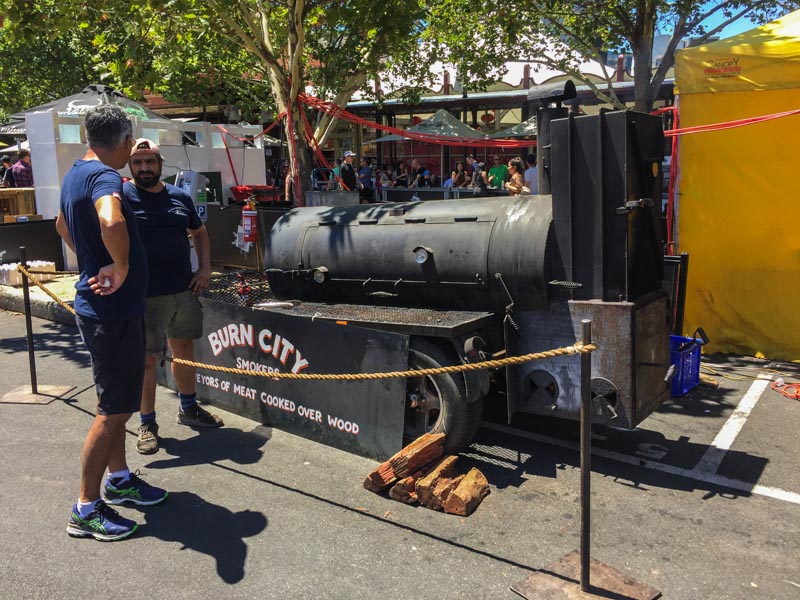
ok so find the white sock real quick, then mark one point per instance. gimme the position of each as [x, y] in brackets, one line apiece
[84, 508]
[120, 476]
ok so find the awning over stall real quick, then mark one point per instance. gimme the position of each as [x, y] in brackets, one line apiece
[441, 123]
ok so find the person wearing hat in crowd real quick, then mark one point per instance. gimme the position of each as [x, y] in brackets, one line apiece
[348, 173]
[5, 167]
[97, 224]
[164, 214]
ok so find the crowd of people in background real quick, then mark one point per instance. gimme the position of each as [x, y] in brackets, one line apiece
[20, 174]
[517, 175]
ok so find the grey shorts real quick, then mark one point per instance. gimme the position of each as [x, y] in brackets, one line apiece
[178, 316]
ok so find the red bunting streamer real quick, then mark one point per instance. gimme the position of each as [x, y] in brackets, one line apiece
[730, 124]
[445, 140]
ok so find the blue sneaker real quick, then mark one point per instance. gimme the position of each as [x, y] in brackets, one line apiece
[134, 490]
[103, 523]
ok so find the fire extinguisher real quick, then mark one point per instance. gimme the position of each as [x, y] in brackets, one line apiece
[249, 223]
[244, 291]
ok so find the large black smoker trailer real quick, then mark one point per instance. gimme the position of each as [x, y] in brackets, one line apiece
[467, 279]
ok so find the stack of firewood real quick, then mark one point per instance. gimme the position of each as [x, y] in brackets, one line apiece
[419, 473]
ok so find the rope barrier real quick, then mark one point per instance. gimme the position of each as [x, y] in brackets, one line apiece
[29, 275]
[479, 366]
[41, 272]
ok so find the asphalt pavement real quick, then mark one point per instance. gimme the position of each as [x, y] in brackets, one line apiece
[254, 512]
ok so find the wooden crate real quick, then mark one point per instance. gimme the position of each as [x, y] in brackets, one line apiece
[17, 201]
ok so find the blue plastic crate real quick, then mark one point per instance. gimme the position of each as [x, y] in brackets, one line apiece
[687, 363]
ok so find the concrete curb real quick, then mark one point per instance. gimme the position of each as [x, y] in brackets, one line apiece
[42, 306]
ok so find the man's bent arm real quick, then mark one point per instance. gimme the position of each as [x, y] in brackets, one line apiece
[114, 232]
[63, 231]
[202, 247]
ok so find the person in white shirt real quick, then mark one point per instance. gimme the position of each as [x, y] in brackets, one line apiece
[532, 174]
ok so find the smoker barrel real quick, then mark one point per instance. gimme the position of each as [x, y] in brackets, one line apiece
[476, 254]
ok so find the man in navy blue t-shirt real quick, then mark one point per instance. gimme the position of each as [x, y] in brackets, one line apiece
[99, 227]
[164, 215]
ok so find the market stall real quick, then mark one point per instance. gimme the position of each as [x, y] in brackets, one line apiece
[737, 208]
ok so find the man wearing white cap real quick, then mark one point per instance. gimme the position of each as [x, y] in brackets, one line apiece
[164, 213]
[348, 172]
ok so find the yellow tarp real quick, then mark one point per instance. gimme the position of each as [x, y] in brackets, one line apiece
[765, 58]
[739, 201]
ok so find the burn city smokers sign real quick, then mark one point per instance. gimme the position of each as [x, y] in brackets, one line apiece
[363, 417]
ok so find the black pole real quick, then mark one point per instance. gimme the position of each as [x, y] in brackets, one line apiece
[586, 452]
[680, 301]
[26, 294]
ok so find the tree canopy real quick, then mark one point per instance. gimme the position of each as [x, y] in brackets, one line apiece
[266, 52]
[36, 71]
[262, 54]
[562, 34]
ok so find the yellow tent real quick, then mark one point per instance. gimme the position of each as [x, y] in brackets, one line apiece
[738, 200]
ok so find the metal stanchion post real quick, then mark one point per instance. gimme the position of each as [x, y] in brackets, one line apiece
[26, 294]
[35, 394]
[558, 579]
[586, 453]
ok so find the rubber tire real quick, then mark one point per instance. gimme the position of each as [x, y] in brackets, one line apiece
[460, 419]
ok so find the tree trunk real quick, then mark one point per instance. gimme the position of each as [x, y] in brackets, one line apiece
[642, 49]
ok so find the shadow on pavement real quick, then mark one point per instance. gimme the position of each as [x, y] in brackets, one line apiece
[207, 528]
[212, 445]
[51, 339]
[508, 461]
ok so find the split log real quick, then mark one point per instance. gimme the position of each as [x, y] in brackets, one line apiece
[381, 478]
[410, 459]
[417, 454]
[445, 468]
[405, 490]
[442, 490]
[465, 498]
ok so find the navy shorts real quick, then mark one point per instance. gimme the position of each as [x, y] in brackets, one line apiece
[117, 351]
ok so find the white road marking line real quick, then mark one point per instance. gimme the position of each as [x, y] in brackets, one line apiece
[713, 456]
[735, 484]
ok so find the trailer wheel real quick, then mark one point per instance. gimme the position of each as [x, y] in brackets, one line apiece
[438, 403]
